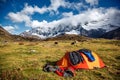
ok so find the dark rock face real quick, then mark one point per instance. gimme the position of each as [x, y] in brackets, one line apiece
[114, 34]
[96, 33]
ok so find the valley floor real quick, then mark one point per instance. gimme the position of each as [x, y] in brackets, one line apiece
[25, 60]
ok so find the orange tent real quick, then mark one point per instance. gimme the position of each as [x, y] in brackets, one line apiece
[86, 64]
[71, 61]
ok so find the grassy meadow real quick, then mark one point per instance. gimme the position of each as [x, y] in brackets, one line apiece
[25, 60]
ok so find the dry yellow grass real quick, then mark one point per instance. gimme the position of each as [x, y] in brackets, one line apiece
[25, 62]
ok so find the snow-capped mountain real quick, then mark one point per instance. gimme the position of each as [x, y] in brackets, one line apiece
[47, 32]
[52, 32]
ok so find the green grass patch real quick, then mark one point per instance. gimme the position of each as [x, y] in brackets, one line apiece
[25, 62]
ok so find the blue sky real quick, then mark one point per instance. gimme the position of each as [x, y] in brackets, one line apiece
[20, 15]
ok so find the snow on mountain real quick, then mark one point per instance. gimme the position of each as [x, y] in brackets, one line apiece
[73, 32]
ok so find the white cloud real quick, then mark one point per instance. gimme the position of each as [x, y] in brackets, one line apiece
[96, 18]
[114, 16]
[92, 2]
[25, 14]
[65, 14]
[45, 24]
[36, 23]
[29, 10]
[75, 6]
[55, 4]
[10, 29]
[18, 17]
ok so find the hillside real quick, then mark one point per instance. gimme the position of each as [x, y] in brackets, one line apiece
[6, 36]
[69, 37]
